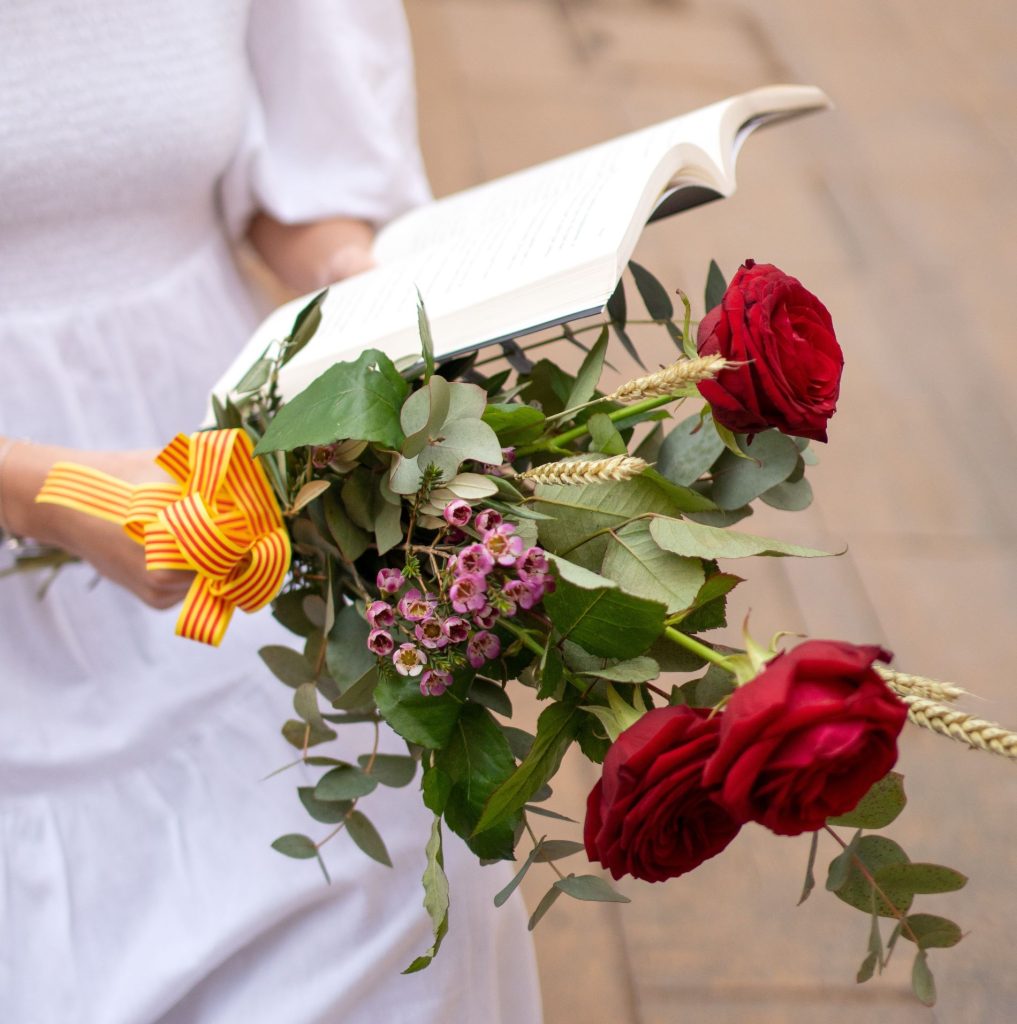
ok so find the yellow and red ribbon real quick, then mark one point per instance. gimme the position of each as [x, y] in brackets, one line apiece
[219, 520]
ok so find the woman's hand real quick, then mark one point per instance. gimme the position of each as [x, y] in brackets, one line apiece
[104, 545]
[310, 256]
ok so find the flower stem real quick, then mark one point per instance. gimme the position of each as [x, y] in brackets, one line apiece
[523, 635]
[696, 647]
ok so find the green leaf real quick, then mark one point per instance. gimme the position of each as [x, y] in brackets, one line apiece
[478, 760]
[365, 835]
[388, 526]
[715, 286]
[545, 904]
[344, 783]
[305, 325]
[917, 877]
[288, 609]
[545, 813]
[255, 378]
[810, 877]
[436, 900]
[423, 413]
[627, 344]
[640, 566]
[361, 400]
[652, 292]
[695, 540]
[519, 740]
[426, 721]
[880, 806]
[867, 969]
[585, 385]
[876, 853]
[590, 887]
[492, 696]
[296, 845]
[604, 436]
[772, 457]
[287, 665]
[426, 338]
[616, 306]
[683, 499]
[347, 656]
[514, 423]
[932, 931]
[713, 687]
[558, 849]
[922, 982]
[351, 540]
[586, 608]
[556, 729]
[305, 703]
[634, 670]
[690, 448]
[328, 812]
[395, 770]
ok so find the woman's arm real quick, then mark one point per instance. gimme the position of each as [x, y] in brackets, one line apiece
[310, 256]
[104, 545]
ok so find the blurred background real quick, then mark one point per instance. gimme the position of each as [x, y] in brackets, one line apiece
[899, 209]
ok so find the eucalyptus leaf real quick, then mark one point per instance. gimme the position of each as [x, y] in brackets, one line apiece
[810, 877]
[558, 849]
[876, 853]
[311, 490]
[585, 385]
[288, 609]
[351, 540]
[295, 845]
[344, 783]
[604, 436]
[305, 324]
[916, 877]
[394, 770]
[790, 496]
[356, 695]
[932, 931]
[690, 448]
[366, 836]
[626, 342]
[502, 897]
[879, 807]
[590, 887]
[328, 812]
[256, 377]
[736, 481]
[922, 982]
[300, 734]
[347, 656]
[545, 904]
[426, 337]
[287, 665]
[715, 286]
[616, 305]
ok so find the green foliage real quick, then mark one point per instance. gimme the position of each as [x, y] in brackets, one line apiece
[366, 836]
[344, 783]
[590, 887]
[641, 566]
[346, 655]
[715, 286]
[395, 770]
[426, 721]
[585, 385]
[690, 448]
[879, 807]
[652, 292]
[695, 540]
[513, 423]
[875, 853]
[361, 399]
[436, 897]
[772, 458]
[287, 665]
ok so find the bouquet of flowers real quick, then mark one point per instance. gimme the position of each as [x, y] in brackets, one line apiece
[442, 536]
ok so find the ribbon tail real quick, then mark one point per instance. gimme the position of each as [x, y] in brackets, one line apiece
[205, 615]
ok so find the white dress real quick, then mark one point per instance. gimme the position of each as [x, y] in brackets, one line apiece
[137, 883]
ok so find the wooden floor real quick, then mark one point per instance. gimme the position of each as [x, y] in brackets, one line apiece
[899, 209]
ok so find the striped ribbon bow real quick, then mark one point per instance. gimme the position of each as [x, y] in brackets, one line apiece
[219, 520]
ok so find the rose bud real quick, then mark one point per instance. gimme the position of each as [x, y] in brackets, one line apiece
[650, 815]
[457, 513]
[791, 361]
[806, 739]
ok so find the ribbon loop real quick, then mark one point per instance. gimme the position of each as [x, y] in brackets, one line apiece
[219, 520]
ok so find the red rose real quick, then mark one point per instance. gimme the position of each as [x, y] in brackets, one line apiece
[792, 363]
[805, 739]
[649, 816]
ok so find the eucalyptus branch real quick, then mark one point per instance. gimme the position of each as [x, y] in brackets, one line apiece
[536, 843]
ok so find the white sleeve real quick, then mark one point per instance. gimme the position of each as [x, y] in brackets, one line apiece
[332, 128]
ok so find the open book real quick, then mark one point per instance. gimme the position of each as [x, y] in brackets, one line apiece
[524, 252]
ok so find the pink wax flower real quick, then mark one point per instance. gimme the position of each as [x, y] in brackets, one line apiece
[435, 681]
[502, 544]
[456, 629]
[379, 642]
[390, 581]
[380, 614]
[487, 520]
[457, 513]
[430, 633]
[483, 646]
[468, 593]
[409, 660]
[415, 606]
[532, 563]
[474, 559]
[453, 535]
[521, 593]
[485, 618]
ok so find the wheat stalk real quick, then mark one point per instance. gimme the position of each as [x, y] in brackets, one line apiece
[671, 379]
[905, 685]
[960, 726]
[596, 471]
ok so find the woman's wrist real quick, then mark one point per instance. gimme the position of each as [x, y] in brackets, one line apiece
[23, 469]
